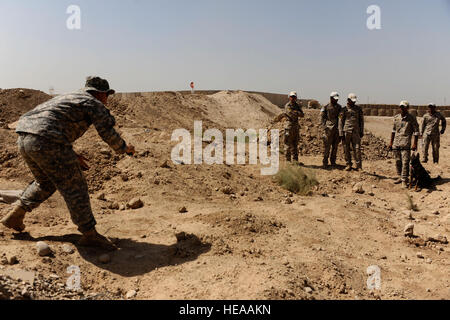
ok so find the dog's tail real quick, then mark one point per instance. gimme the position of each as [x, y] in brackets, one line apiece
[438, 178]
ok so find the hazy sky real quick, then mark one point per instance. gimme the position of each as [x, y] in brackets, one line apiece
[313, 47]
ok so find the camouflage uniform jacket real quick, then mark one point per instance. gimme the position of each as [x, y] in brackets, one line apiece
[293, 111]
[66, 118]
[430, 125]
[404, 128]
[330, 117]
[351, 119]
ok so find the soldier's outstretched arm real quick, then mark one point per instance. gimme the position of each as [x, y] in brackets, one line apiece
[104, 122]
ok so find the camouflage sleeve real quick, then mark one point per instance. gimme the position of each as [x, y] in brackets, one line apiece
[444, 123]
[300, 112]
[424, 125]
[416, 131]
[104, 122]
[324, 117]
[341, 122]
[361, 121]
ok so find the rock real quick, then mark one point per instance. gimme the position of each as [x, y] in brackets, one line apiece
[106, 152]
[420, 255]
[429, 261]
[165, 165]
[288, 201]
[131, 294]
[182, 210]
[135, 203]
[438, 238]
[101, 196]
[114, 206]
[124, 177]
[408, 214]
[227, 190]
[67, 248]
[436, 213]
[358, 188]
[104, 258]
[122, 207]
[409, 230]
[12, 260]
[308, 290]
[43, 249]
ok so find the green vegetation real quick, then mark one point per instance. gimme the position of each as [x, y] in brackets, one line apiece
[296, 179]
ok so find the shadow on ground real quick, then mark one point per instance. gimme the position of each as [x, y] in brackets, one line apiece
[134, 258]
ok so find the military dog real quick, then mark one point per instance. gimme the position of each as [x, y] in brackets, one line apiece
[420, 178]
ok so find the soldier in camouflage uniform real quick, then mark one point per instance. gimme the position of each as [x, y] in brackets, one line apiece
[45, 142]
[405, 126]
[351, 131]
[292, 111]
[430, 132]
[330, 124]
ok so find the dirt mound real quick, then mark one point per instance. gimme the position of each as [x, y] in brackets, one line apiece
[241, 109]
[16, 102]
[311, 143]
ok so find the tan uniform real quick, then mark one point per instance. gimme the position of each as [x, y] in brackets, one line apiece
[292, 111]
[351, 127]
[431, 134]
[330, 126]
[404, 128]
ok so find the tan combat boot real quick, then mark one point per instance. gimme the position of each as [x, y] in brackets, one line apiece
[14, 219]
[94, 239]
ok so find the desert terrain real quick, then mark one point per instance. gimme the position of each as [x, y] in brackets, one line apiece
[221, 231]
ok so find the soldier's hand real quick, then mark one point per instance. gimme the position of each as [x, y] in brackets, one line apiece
[130, 150]
[83, 162]
[414, 147]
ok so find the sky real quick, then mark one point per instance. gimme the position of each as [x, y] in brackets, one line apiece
[313, 47]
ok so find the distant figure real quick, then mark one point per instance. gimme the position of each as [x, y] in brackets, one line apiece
[405, 127]
[351, 131]
[46, 134]
[330, 124]
[430, 132]
[292, 111]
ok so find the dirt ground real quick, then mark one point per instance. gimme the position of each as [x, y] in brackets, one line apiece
[243, 243]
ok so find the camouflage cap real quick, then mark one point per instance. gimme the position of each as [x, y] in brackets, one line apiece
[98, 84]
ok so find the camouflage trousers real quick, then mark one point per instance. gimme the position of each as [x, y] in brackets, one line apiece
[330, 143]
[435, 141]
[55, 167]
[291, 140]
[402, 161]
[353, 141]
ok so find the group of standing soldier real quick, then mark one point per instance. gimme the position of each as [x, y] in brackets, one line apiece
[339, 123]
[346, 125]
